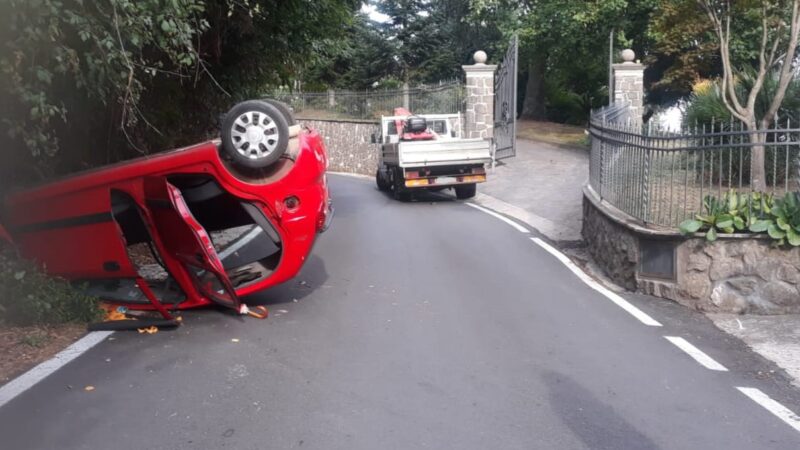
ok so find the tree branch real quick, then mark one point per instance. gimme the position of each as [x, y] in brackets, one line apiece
[786, 66]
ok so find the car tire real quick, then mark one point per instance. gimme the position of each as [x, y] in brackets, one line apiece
[383, 185]
[466, 191]
[284, 109]
[255, 134]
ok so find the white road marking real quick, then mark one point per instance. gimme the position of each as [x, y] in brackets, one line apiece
[780, 411]
[619, 301]
[240, 243]
[517, 226]
[27, 380]
[696, 354]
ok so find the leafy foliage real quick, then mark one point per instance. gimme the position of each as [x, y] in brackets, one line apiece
[91, 82]
[100, 53]
[567, 41]
[28, 296]
[705, 104]
[754, 213]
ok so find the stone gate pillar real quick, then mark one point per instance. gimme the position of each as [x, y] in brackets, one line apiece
[629, 84]
[480, 97]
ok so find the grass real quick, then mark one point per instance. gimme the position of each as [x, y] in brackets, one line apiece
[28, 296]
[552, 133]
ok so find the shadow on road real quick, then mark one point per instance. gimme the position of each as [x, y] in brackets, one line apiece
[311, 277]
[425, 196]
[592, 421]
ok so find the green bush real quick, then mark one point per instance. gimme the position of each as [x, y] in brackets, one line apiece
[29, 297]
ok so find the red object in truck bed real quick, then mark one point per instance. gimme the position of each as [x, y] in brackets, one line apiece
[142, 233]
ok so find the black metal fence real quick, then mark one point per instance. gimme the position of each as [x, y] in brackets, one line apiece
[661, 177]
[441, 98]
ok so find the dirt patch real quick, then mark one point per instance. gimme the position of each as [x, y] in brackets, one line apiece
[22, 348]
[552, 133]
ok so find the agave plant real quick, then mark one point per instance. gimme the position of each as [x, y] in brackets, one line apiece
[734, 212]
[784, 225]
[756, 212]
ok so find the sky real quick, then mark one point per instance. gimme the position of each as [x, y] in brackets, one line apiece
[374, 15]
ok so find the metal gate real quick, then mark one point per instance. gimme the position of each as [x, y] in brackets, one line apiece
[505, 104]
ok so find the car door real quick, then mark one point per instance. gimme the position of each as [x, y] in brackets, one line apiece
[187, 241]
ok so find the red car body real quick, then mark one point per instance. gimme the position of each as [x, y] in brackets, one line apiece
[83, 228]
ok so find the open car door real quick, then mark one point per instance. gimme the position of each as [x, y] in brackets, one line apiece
[186, 240]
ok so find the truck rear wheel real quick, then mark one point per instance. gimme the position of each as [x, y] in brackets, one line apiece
[399, 189]
[383, 185]
[466, 191]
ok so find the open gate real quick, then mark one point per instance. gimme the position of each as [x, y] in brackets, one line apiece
[505, 104]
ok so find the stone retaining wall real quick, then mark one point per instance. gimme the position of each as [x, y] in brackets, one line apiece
[349, 144]
[735, 274]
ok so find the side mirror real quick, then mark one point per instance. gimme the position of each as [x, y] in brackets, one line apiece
[374, 139]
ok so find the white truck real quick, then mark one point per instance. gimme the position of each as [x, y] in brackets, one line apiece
[425, 152]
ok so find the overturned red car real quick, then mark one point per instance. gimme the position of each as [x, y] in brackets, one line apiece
[204, 224]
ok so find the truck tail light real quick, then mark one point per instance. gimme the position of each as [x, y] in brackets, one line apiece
[412, 174]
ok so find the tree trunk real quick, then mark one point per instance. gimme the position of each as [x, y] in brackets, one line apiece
[758, 175]
[533, 107]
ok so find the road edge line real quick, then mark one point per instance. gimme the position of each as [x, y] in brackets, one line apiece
[777, 409]
[616, 299]
[517, 226]
[698, 355]
[239, 243]
[351, 175]
[27, 380]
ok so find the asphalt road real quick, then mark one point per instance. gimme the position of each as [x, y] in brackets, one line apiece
[413, 325]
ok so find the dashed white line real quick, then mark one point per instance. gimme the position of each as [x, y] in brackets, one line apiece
[780, 411]
[517, 226]
[27, 380]
[696, 354]
[619, 301]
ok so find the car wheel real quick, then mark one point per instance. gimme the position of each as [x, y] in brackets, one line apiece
[284, 109]
[254, 134]
[383, 185]
[465, 191]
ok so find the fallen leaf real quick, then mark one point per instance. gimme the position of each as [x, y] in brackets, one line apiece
[88, 388]
[148, 330]
[234, 340]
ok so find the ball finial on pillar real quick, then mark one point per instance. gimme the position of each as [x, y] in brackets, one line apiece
[479, 57]
[627, 55]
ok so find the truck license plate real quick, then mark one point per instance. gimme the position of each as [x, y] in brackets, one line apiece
[446, 180]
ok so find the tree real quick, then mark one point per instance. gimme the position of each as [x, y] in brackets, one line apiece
[84, 83]
[778, 46]
[566, 40]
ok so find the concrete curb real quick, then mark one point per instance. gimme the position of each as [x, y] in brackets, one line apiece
[544, 226]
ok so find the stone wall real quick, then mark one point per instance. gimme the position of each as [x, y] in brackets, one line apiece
[734, 274]
[739, 275]
[349, 144]
[480, 98]
[611, 245]
[629, 84]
